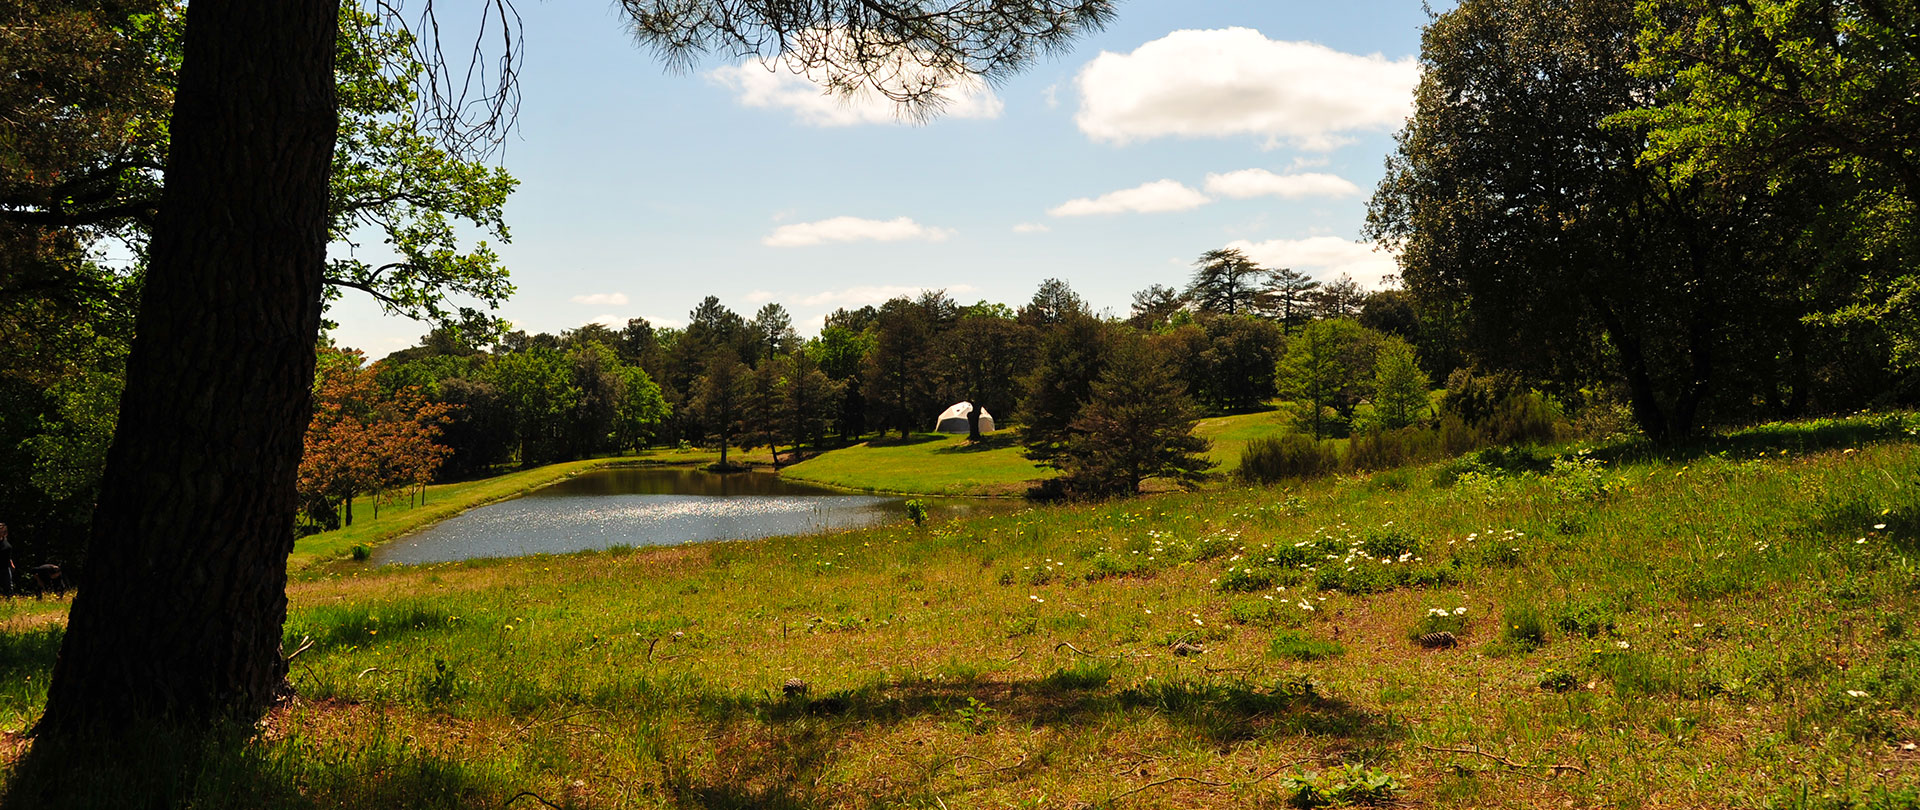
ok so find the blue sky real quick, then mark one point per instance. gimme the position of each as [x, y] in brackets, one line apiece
[1185, 126]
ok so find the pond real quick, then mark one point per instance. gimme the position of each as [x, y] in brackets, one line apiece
[654, 506]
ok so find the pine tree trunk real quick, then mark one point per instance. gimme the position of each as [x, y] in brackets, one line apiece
[181, 620]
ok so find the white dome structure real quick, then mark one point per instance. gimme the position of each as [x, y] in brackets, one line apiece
[954, 419]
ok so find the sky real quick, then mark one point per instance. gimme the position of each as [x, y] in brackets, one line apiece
[1185, 126]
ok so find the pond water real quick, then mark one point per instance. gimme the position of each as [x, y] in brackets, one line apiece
[642, 506]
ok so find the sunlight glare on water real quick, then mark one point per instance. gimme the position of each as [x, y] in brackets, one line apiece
[638, 507]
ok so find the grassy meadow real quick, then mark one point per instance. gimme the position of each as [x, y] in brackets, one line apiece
[1732, 625]
[1229, 435]
[927, 464]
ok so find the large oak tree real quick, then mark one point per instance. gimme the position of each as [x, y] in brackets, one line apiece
[182, 619]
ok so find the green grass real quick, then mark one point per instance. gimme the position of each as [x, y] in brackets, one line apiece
[1722, 626]
[1230, 434]
[926, 464]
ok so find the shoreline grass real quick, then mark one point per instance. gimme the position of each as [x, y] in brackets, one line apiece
[1729, 626]
[927, 464]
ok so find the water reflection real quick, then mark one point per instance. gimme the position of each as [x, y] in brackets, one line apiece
[649, 507]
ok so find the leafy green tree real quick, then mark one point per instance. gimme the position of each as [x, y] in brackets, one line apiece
[1339, 298]
[1054, 302]
[898, 368]
[807, 400]
[1399, 386]
[1287, 295]
[480, 430]
[1799, 90]
[1155, 307]
[840, 352]
[720, 398]
[1069, 356]
[1137, 424]
[773, 332]
[588, 426]
[984, 356]
[1239, 361]
[762, 414]
[1327, 370]
[1515, 195]
[1224, 283]
[241, 230]
[640, 409]
[538, 388]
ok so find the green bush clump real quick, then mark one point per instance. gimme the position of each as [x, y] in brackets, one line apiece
[1365, 577]
[1245, 579]
[1349, 784]
[1292, 456]
[1554, 680]
[1524, 626]
[1389, 542]
[1298, 646]
[1114, 564]
[1586, 616]
[1268, 613]
[1387, 449]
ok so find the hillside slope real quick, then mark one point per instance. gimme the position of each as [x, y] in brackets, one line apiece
[1732, 625]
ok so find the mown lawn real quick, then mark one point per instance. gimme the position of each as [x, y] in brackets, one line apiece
[1735, 625]
[927, 464]
[1230, 434]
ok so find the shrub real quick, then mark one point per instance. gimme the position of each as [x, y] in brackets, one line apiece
[1386, 449]
[1268, 613]
[1587, 616]
[1245, 579]
[1114, 564]
[1292, 456]
[1388, 542]
[1557, 681]
[1352, 783]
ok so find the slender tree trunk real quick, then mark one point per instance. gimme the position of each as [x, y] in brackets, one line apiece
[1641, 398]
[181, 621]
[973, 423]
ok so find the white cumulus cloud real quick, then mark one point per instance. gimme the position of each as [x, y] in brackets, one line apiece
[614, 322]
[853, 229]
[1150, 198]
[1031, 227]
[1260, 183]
[1236, 81]
[785, 84]
[602, 299]
[1323, 257]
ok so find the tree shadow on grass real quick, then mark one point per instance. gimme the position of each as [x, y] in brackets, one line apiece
[29, 653]
[230, 767]
[895, 441]
[778, 745]
[1769, 439]
[991, 441]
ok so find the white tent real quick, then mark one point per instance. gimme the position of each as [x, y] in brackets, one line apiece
[954, 419]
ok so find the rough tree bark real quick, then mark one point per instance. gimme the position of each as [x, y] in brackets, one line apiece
[180, 622]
